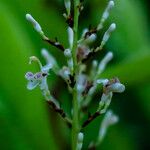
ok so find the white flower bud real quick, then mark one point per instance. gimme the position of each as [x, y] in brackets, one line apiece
[94, 63]
[35, 24]
[67, 53]
[107, 34]
[70, 36]
[112, 27]
[80, 88]
[70, 64]
[90, 39]
[102, 81]
[81, 83]
[109, 119]
[84, 32]
[116, 87]
[105, 102]
[65, 73]
[48, 57]
[80, 141]
[80, 137]
[93, 69]
[104, 62]
[107, 10]
[67, 5]
[105, 14]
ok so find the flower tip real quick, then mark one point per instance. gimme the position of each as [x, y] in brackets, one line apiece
[95, 63]
[80, 137]
[70, 36]
[115, 119]
[110, 55]
[111, 118]
[118, 88]
[44, 52]
[35, 24]
[112, 27]
[67, 52]
[28, 17]
[92, 38]
[111, 4]
[121, 88]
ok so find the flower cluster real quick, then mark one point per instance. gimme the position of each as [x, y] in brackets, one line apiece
[81, 85]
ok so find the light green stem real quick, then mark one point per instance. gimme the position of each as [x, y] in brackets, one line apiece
[75, 124]
[75, 30]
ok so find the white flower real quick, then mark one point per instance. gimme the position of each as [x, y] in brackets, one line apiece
[80, 141]
[67, 5]
[70, 37]
[39, 78]
[107, 36]
[35, 24]
[109, 119]
[108, 57]
[105, 14]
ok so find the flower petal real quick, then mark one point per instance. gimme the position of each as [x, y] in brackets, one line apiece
[38, 76]
[43, 84]
[46, 68]
[32, 84]
[29, 75]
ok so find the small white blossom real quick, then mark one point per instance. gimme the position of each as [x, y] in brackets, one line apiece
[48, 57]
[67, 5]
[102, 81]
[116, 87]
[90, 39]
[107, 35]
[67, 53]
[109, 119]
[35, 24]
[80, 141]
[65, 73]
[106, 14]
[108, 57]
[70, 36]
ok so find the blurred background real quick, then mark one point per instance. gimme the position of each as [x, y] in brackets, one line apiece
[26, 123]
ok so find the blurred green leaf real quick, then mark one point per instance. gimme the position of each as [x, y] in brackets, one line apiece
[24, 119]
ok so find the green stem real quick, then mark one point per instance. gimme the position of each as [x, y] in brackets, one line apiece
[75, 123]
[75, 29]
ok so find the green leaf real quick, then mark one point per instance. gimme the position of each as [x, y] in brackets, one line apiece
[24, 117]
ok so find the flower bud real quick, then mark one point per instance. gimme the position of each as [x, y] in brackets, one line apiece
[70, 36]
[67, 53]
[48, 57]
[116, 87]
[80, 141]
[106, 14]
[104, 62]
[107, 34]
[67, 5]
[109, 119]
[35, 24]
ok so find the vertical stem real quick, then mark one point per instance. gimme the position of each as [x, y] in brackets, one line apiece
[75, 124]
[75, 29]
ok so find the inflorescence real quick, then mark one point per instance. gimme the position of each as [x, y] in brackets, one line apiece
[77, 80]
